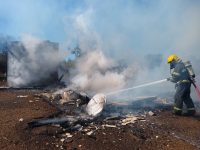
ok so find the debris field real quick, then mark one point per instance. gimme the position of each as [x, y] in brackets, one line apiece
[68, 127]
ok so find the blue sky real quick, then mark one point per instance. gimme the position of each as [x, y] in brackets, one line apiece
[41, 18]
[134, 26]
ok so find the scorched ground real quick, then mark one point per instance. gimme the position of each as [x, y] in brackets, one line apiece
[160, 131]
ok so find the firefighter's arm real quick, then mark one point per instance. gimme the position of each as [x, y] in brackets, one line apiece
[171, 79]
[175, 75]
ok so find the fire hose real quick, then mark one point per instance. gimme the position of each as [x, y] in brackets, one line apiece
[196, 88]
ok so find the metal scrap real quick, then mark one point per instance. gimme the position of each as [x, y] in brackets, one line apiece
[109, 126]
[129, 119]
[96, 105]
[21, 120]
[150, 113]
[22, 96]
[68, 135]
[90, 133]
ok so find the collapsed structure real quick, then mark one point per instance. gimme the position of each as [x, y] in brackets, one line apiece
[17, 62]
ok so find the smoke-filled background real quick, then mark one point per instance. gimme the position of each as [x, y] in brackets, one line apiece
[32, 62]
[137, 33]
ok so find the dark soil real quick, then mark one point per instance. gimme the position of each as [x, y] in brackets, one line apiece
[163, 131]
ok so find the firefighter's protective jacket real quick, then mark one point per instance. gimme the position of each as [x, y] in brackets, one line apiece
[179, 73]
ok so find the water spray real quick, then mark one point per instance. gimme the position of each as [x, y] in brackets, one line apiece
[96, 104]
[136, 87]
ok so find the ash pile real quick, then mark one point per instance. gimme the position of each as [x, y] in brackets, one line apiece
[78, 111]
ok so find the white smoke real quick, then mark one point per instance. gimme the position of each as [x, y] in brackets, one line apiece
[31, 62]
[94, 73]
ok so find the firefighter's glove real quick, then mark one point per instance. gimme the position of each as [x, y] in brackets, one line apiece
[193, 80]
[169, 79]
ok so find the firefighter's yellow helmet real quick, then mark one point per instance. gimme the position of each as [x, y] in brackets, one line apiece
[172, 57]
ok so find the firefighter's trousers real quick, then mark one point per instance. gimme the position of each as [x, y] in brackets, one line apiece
[183, 96]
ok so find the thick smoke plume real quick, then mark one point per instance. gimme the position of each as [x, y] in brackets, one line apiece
[31, 62]
[97, 73]
[94, 70]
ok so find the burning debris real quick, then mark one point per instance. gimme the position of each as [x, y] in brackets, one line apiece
[88, 109]
[78, 111]
[66, 97]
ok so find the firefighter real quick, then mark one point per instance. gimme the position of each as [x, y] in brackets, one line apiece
[180, 75]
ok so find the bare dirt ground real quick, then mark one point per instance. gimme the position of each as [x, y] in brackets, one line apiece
[163, 131]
